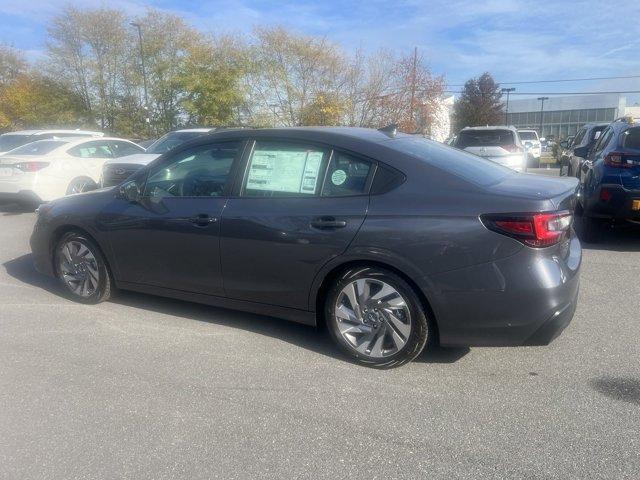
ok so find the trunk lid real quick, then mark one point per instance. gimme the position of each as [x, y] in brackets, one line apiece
[560, 191]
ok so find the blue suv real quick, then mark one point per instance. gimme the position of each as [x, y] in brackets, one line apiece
[610, 177]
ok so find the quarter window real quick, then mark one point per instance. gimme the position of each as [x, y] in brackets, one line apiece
[284, 170]
[347, 175]
[203, 171]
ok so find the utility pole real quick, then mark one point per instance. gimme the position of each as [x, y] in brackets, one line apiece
[506, 113]
[542, 99]
[413, 82]
[144, 76]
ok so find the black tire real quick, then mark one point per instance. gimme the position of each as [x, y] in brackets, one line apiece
[419, 333]
[103, 288]
[591, 228]
[81, 185]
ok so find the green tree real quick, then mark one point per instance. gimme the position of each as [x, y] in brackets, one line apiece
[32, 101]
[479, 104]
[211, 79]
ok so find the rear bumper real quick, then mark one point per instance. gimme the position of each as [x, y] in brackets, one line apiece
[525, 299]
[617, 207]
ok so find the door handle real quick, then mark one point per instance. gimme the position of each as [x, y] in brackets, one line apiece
[202, 220]
[327, 223]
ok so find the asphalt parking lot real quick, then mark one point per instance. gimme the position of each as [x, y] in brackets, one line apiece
[145, 387]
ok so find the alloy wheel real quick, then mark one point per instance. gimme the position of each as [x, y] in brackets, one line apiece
[373, 317]
[79, 268]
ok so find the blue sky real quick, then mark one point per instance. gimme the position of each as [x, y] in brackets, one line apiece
[512, 39]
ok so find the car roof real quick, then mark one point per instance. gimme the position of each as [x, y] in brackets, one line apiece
[203, 130]
[42, 132]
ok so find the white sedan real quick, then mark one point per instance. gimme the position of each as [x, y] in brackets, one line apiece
[47, 169]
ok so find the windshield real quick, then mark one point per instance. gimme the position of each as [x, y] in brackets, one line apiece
[41, 147]
[456, 162]
[171, 140]
[528, 136]
[485, 138]
[9, 142]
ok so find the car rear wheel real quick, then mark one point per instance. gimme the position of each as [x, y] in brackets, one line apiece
[82, 269]
[376, 318]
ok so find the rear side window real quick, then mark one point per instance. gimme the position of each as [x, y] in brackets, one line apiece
[97, 149]
[347, 175]
[41, 147]
[464, 165]
[579, 136]
[485, 138]
[631, 139]
[282, 169]
[596, 132]
[120, 149]
[603, 140]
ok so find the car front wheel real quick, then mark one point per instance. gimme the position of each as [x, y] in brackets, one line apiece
[82, 269]
[376, 317]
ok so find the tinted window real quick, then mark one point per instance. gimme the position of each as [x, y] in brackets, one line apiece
[386, 179]
[484, 138]
[528, 136]
[596, 132]
[603, 140]
[347, 175]
[120, 149]
[579, 137]
[9, 142]
[171, 140]
[631, 138]
[199, 172]
[469, 167]
[277, 169]
[97, 149]
[41, 147]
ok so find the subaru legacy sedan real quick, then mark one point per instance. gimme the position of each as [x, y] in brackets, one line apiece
[391, 241]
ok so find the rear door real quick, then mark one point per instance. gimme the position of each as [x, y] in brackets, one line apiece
[298, 205]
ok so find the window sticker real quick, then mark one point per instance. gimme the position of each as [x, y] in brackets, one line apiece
[338, 177]
[293, 171]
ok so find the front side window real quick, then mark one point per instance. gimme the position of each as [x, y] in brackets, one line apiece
[91, 150]
[281, 169]
[579, 136]
[121, 149]
[203, 171]
[347, 175]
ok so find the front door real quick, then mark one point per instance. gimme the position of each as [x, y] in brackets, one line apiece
[170, 238]
[298, 207]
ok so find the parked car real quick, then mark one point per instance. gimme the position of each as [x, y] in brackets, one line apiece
[587, 136]
[535, 149]
[499, 144]
[117, 170]
[11, 140]
[46, 169]
[392, 240]
[610, 177]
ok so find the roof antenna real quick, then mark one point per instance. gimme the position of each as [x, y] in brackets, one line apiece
[390, 130]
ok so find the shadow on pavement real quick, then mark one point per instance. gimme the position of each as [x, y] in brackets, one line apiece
[10, 209]
[622, 389]
[620, 237]
[314, 339]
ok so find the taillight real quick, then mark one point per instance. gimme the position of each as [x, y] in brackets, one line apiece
[533, 229]
[513, 148]
[621, 160]
[30, 166]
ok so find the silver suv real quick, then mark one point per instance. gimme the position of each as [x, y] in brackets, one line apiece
[497, 143]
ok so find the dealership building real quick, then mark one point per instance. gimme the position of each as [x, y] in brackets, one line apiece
[564, 115]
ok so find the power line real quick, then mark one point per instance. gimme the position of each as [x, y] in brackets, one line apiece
[558, 93]
[556, 81]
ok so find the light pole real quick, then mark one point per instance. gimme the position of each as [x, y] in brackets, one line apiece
[506, 113]
[144, 74]
[542, 99]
